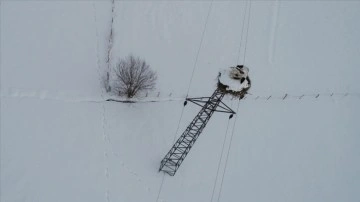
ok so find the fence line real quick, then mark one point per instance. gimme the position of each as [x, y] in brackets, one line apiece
[167, 96]
[275, 96]
[288, 96]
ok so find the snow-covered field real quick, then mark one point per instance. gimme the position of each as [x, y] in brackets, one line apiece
[60, 141]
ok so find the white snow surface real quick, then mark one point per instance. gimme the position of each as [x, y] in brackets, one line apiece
[61, 142]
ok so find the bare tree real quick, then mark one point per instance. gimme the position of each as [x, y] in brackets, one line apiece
[132, 76]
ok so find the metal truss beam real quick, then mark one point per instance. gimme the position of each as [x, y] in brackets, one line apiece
[173, 159]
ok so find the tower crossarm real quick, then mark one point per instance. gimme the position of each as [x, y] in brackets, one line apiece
[201, 101]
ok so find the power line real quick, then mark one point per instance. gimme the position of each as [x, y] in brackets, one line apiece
[237, 109]
[200, 45]
[228, 151]
[242, 31]
[187, 93]
[222, 151]
[247, 32]
[227, 127]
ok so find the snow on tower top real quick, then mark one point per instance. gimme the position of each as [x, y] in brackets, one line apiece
[234, 80]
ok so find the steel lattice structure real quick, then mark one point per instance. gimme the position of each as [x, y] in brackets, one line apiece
[173, 159]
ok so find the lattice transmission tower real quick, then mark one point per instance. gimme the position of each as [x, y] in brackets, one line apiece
[173, 159]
